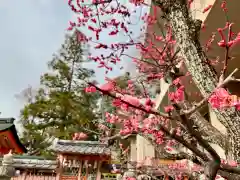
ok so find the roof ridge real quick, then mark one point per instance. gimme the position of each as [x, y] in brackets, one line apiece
[32, 157]
[82, 147]
[7, 120]
[76, 142]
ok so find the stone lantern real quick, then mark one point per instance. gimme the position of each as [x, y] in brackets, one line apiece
[7, 171]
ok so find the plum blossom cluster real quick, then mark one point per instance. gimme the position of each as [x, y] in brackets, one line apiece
[184, 165]
[177, 96]
[135, 122]
[90, 89]
[222, 99]
[79, 136]
[180, 167]
[229, 162]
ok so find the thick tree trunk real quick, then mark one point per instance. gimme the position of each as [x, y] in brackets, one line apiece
[176, 11]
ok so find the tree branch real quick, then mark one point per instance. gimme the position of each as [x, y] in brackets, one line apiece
[209, 132]
[202, 102]
[213, 165]
[129, 104]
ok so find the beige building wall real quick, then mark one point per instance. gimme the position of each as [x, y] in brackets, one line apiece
[133, 150]
[198, 6]
[144, 149]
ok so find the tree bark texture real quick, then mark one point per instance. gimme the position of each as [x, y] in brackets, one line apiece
[209, 133]
[184, 29]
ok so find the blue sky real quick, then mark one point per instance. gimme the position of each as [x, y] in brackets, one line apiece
[31, 31]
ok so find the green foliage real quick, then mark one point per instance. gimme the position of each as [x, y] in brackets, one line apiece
[61, 107]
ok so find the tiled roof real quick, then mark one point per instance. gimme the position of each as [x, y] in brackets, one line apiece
[33, 163]
[81, 147]
[6, 123]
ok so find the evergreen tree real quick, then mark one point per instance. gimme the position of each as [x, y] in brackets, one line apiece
[61, 107]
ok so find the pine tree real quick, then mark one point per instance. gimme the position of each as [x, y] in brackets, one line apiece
[61, 107]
